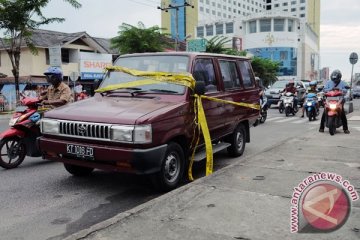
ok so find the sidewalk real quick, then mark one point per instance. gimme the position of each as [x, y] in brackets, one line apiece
[247, 200]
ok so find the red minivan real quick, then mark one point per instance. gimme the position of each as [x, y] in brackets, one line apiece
[149, 129]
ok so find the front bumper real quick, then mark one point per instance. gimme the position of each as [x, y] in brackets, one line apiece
[109, 158]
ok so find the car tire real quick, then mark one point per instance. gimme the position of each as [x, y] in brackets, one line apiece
[237, 140]
[172, 168]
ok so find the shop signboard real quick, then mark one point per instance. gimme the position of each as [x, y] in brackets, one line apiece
[92, 65]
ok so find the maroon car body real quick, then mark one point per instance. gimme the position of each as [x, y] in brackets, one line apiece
[81, 134]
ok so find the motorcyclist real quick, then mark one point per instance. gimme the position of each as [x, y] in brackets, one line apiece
[311, 89]
[58, 93]
[290, 87]
[335, 83]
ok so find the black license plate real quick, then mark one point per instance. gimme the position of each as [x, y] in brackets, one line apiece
[85, 152]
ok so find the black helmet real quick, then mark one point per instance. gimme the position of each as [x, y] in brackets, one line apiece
[336, 76]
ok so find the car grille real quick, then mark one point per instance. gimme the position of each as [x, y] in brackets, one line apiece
[85, 130]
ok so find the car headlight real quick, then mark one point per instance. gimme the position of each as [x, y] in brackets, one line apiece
[132, 134]
[49, 126]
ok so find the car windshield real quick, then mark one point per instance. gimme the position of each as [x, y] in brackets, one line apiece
[279, 84]
[173, 64]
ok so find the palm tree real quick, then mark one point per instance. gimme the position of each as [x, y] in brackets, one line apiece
[140, 39]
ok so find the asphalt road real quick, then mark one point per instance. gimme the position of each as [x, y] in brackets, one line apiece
[40, 200]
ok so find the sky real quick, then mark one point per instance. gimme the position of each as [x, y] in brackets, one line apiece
[340, 24]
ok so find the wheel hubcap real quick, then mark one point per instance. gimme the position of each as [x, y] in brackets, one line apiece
[172, 168]
[239, 140]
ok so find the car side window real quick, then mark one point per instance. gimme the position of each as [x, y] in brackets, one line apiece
[247, 75]
[229, 74]
[204, 72]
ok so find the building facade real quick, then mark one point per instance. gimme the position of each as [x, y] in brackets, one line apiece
[281, 30]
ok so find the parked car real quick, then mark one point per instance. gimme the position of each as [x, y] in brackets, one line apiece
[356, 91]
[149, 129]
[273, 93]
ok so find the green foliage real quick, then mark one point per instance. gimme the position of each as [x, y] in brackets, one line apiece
[265, 69]
[139, 39]
[216, 44]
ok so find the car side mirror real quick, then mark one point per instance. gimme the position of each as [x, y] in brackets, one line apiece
[199, 88]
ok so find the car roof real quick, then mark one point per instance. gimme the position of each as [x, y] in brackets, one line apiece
[191, 54]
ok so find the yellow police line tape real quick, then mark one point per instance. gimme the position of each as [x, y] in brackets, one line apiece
[187, 80]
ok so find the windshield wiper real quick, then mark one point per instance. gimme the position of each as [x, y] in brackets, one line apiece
[162, 90]
[132, 91]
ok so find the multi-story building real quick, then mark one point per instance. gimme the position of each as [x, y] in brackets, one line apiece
[282, 30]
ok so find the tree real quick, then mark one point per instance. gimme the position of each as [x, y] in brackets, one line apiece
[266, 69]
[17, 18]
[140, 39]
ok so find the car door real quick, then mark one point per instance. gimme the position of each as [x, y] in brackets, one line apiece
[204, 71]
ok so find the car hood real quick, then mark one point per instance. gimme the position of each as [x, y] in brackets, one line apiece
[114, 110]
[274, 90]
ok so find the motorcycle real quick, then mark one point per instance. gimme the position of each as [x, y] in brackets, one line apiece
[288, 102]
[321, 99]
[20, 139]
[311, 106]
[333, 110]
[263, 110]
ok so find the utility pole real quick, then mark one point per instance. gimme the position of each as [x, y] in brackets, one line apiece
[176, 8]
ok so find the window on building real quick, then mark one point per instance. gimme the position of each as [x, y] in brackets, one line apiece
[213, 12]
[234, 10]
[229, 16]
[285, 4]
[293, 2]
[229, 27]
[302, 15]
[207, 10]
[293, 10]
[265, 25]
[252, 26]
[209, 30]
[207, 2]
[239, 12]
[229, 9]
[219, 14]
[224, 7]
[224, 15]
[246, 73]
[229, 74]
[201, 9]
[279, 25]
[214, 4]
[219, 5]
[283, 55]
[65, 55]
[302, 8]
[276, 5]
[290, 25]
[219, 29]
[302, 1]
[200, 31]
[201, 1]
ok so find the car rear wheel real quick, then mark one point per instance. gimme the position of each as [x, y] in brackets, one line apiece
[237, 140]
[78, 171]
